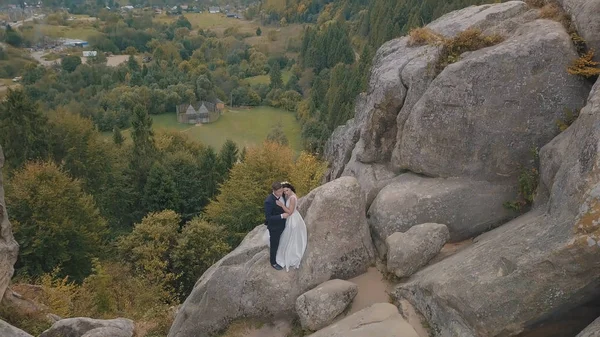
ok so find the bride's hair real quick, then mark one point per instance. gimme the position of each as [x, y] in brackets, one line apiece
[288, 185]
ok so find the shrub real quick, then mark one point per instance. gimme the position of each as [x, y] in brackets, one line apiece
[528, 181]
[423, 36]
[585, 66]
[468, 40]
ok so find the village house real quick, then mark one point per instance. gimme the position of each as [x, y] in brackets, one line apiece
[200, 112]
[214, 10]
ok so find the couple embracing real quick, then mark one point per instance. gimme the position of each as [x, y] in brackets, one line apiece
[287, 230]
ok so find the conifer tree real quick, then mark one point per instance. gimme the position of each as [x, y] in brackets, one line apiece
[23, 129]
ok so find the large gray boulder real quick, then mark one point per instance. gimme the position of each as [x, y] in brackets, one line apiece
[592, 330]
[408, 252]
[243, 284]
[401, 74]
[467, 207]
[584, 14]
[8, 246]
[545, 262]
[378, 320]
[80, 326]
[318, 307]
[7, 330]
[371, 177]
[482, 116]
[108, 332]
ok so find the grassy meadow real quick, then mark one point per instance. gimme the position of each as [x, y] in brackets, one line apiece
[245, 127]
[265, 79]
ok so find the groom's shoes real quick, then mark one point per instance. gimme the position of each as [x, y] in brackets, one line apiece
[276, 266]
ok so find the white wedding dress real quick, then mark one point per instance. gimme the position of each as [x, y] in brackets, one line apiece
[293, 239]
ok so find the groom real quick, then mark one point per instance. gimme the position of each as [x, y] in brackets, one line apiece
[275, 221]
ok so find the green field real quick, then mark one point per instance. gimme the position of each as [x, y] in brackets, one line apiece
[245, 127]
[265, 79]
[82, 33]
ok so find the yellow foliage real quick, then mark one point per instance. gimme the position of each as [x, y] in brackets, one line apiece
[148, 247]
[585, 66]
[58, 294]
[240, 203]
[551, 11]
[468, 40]
[423, 36]
[307, 173]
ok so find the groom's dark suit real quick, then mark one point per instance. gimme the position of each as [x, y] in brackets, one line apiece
[275, 223]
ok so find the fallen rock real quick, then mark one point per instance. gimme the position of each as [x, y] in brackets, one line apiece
[243, 284]
[80, 326]
[545, 262]
[466, 207]
[593, 330]
[8, 246]
[7, 330]
[408, 252]
[318, 307]
[378, 320]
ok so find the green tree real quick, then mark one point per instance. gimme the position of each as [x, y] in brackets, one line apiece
[258, 31]
[55, 222]
[199, 246]
[239, 206]
[149, 247]
[70, 63]
[277, 135]
[228, 156]
[211, 176]
[23, 129]
[117, 137]
[276, 77]
[160, 192]
[132, 64]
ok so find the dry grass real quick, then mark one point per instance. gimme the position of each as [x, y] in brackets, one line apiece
[466, 41]
[423, 36]
[585, 66]
[241, 327]
[535, 3]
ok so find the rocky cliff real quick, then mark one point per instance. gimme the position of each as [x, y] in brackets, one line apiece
[437, 144]
[8, 246]
[448, 147]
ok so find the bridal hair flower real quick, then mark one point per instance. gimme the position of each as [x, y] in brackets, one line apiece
[285, 182]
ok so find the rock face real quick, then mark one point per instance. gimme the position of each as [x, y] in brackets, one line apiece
[108, 332]
[243, 284]
[381, 319]
[467, 207]
[546, 261]
[493, 124]
[593, 330]
[584, 14]
[8, 246]
[7, 330]
[408, 252]
[318, 307]
[466, 131]
[89, 327]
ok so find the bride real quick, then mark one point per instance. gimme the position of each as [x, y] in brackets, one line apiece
[293, 239]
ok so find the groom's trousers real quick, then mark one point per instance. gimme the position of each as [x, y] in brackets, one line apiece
[275, 236]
